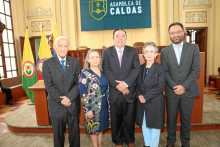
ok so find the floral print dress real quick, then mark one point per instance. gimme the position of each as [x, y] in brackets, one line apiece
[94, 95]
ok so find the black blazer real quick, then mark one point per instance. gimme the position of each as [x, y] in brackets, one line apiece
[151, 87]
[128, 71]
[59, 83]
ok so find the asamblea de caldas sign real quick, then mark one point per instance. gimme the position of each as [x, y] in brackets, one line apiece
[112, 14]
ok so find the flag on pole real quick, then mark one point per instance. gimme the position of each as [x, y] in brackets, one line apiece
[55, 35]
[43, 53]
[29, 74]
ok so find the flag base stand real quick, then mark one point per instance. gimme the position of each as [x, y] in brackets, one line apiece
[30, 103]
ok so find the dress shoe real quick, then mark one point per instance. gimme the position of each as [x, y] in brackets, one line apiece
[10, 103]
[131, 145]
[146, 146]
[170, 146]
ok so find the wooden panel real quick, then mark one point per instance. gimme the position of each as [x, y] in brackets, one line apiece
[2, 99]
[81, 54]
[40, 99]
[218, 83]
[15, 84]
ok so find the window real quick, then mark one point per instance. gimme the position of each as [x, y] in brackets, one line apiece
[8, 65]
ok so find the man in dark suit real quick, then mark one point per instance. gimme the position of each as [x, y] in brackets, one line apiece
[60, 75]
[182, 67]
[121, 67]
[8, 94]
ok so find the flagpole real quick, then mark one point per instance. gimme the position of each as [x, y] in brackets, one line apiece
[25, 12]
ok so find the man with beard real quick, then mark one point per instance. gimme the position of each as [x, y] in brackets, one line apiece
[182, 67]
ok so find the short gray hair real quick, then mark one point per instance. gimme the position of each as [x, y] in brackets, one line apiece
[150, 44]
[86, 63]
[61, 38]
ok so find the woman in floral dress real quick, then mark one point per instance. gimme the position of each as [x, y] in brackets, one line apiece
[93, 88]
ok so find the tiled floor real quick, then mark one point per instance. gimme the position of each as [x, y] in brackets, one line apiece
[6, 109]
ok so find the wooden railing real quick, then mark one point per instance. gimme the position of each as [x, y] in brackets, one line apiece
[81, 54]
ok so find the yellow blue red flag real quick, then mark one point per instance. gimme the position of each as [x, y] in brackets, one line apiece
[43, 53]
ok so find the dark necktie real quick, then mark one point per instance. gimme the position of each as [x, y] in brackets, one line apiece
[63, 65]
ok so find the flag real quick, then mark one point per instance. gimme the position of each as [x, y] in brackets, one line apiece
[43, 53]
[55, 35]
[29, 74]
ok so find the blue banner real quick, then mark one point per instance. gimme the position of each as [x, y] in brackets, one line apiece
[112, 14]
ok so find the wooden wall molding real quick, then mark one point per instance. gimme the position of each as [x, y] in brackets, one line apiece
[158, 21]
[76, 23]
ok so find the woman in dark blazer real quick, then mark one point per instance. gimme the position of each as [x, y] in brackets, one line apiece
[150, 104]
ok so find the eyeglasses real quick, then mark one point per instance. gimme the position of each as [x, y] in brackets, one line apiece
[149, 52]
[177, 32]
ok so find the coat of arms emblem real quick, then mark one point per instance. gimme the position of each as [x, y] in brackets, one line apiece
[97, 8]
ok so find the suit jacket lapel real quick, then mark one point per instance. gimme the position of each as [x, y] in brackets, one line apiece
[184, 50]
[150, 73]
[125, 56]
[115, 56]
[173, 55]
[57, 63]
[142, 71]
[67, 65]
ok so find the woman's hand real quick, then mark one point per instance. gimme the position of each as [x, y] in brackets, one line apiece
[141, 99]
[89, 114]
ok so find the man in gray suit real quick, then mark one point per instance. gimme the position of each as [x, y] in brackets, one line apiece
[60, 75]
[121, 67]
[182, 67]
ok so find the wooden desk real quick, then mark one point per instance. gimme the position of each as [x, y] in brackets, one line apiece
[40, 98]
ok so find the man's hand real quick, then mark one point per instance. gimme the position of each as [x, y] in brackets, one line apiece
[0, 89]
[89, 114]
[142, 99]
[65, 101]
[121, 85]
[179, 89]
[126, 91]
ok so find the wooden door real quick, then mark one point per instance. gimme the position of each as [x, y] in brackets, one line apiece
[200, 38]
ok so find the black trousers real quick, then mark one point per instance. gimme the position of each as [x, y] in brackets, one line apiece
[7, 91]
[59, 127]
[122, 121]
[185, 104]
